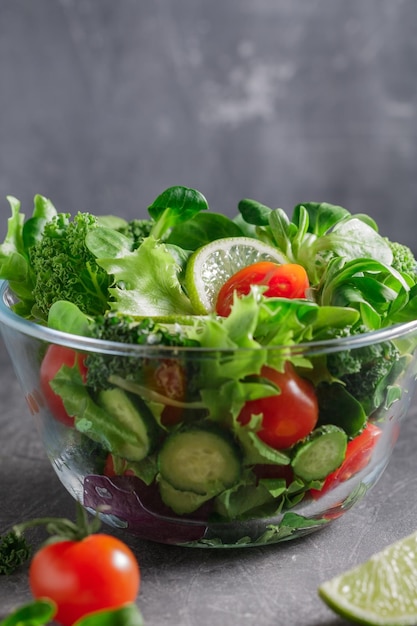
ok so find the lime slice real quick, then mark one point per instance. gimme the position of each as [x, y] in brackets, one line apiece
[212, 265]
[381, 591]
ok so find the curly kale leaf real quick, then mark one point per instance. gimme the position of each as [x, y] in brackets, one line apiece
[14, 550]
[22, 234]
[65, 269]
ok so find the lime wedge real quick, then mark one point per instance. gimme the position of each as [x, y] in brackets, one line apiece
[212, 265]
[382, 591]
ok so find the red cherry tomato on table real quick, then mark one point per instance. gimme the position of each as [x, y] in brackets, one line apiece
[97, 572]
[358, 455]
[285, 281]
[55, 357]
[287, 417]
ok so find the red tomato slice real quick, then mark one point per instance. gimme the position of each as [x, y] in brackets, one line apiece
[286, 281]
[55, 357]
[287, 417]
[98, 572]
[358, 454]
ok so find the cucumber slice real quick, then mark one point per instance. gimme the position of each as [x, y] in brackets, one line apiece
[181, 502]
[134, 416]
[320, 454]
[202, 460]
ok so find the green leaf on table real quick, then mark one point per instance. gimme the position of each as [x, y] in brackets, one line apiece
[35, 613]
[127, 615]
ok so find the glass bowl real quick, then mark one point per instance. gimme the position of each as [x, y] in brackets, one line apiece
[257, 495]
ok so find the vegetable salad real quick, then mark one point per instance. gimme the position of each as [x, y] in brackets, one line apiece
[223, 413]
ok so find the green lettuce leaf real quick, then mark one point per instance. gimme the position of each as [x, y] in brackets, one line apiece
[146, 282]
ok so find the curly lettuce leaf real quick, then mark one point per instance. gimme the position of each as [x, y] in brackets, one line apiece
[146, 282]
[21, 236]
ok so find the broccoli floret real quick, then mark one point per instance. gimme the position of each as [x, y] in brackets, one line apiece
[65, 269]
[137, 230]
[365, 371]
[403, 258]
[102, 368]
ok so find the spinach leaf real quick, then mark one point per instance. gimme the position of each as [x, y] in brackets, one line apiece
[174, 206]
[254, 212]
[68, 318]
[322, 216]
[202, 229]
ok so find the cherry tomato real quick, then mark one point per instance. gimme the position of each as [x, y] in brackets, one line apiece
[286, 281]
[98, 572]
[169, 380]
[117, 466]
[358, 454]
[55, 357]
[287, 417]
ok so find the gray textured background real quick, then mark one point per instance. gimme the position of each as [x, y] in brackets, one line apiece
[104, 103]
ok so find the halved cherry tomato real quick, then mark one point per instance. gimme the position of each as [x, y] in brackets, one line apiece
[286, 281]
[168, 379]
[55, 357]
[116, 466]
[287, 417]
[97, 572]
[358, 454]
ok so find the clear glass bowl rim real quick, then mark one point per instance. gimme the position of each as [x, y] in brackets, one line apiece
[10, 319]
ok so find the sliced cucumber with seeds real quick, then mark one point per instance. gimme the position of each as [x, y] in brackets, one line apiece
[320, 454]
[133, 415]
[203, 460]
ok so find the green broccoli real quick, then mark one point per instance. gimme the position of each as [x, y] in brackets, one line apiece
[103, 368]
[65, 269]
[137, 230]
[366, 371]
[403, 257]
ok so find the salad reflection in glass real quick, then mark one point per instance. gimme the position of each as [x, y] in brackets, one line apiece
[215, 381]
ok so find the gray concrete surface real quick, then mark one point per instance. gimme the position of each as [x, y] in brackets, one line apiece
[104, 104]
